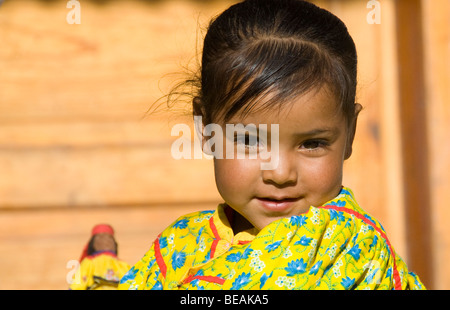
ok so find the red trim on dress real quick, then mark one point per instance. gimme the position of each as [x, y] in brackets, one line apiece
[217, 280]
[216, 237]
[242, 242]
[159, 258]
[397, 280]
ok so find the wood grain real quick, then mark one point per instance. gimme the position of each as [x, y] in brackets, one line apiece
[77, 147]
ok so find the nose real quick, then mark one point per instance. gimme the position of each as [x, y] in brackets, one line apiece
[285, 173]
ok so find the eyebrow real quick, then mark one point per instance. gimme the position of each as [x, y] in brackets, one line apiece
[318, 131]
[313, 132]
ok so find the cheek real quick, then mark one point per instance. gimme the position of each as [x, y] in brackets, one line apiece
[323, 175]
[234, 178]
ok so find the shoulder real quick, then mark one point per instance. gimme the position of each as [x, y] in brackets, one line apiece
[366, 235]
[192, 219]
[362, 230]
[189, 224]
[346, 206]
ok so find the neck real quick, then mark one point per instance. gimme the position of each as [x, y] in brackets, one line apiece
[240, 223]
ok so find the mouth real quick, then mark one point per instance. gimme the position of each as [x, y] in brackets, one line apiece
[277, 204]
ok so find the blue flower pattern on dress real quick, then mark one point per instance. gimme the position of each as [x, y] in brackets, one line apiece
[355, 251]
[271, 247]
[304, 241]
[336, 246]
[178, 259]
[347, 283]
[241, 280]
[295, 267]
[181, 224]
[234, 257]
[315, 268]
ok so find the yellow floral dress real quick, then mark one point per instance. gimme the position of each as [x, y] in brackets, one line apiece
[334, 246]
[100, 271]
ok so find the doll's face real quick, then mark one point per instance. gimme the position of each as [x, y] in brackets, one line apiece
[313, 143]
[104, 242]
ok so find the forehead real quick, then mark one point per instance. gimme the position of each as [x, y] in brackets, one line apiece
[313, 107]
[103, 236]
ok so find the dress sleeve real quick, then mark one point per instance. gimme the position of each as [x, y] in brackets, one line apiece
[409, 280]
[145, 274]
[385, 270]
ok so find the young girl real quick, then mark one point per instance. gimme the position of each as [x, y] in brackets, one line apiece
[291, 64]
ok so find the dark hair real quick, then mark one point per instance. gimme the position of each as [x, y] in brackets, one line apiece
[278, 47]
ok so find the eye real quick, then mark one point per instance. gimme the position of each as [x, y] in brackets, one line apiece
[311, 144]
[314, 145]
[246, 140]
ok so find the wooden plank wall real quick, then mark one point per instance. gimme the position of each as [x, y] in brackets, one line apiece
[436, 36]
[75, 149]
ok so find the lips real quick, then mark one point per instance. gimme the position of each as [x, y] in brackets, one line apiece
[277, 204]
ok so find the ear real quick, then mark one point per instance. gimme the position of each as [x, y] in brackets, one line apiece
[352, 131]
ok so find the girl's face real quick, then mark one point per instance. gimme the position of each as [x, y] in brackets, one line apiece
[313, 143]
[104, 242]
